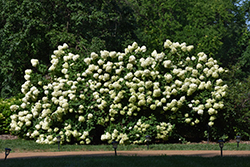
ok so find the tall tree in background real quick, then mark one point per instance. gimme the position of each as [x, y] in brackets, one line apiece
[33, 29]
[214, 26]
[244, 61]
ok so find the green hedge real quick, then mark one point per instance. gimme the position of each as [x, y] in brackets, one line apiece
[5, 112]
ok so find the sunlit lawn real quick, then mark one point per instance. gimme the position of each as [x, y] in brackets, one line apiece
[20, 145]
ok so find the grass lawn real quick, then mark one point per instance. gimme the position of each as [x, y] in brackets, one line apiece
[20, 145]
[129, 161]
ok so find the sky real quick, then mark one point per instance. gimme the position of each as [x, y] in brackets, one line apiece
[248, 19]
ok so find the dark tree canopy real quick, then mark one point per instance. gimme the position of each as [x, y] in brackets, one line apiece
[214, 27]
[33, 29]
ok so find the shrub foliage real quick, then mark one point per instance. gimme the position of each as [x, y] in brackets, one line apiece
[119, 96]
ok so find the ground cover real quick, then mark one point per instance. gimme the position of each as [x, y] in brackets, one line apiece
[131, 161]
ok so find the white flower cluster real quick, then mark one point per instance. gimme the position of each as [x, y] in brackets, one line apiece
[115, 136]
[175, 45]
[116, 86]
[163, 130]
[34, 62]
[140, 129]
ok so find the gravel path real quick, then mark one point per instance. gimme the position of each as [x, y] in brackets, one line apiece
[201, 153]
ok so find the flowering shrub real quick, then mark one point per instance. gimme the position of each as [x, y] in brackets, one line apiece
[130, 94]
[5, 112]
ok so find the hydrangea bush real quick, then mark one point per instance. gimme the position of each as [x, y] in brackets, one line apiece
[123, 96]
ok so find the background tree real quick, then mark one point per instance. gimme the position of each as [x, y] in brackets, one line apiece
[235, 117]
[215, 27]
[32, 29]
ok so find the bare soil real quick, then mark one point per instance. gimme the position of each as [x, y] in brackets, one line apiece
[8, 137]
[197, 153]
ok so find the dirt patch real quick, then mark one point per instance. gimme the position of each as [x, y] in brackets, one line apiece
[197, 153]
[8, 137]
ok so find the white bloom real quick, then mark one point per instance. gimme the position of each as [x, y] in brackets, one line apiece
[65, 65]
[87, 60]
[200, 112]
[148, 84]
[187, 120]
[199, 66]
[157, 92]
[215, 75]
[202, 57]
[201, 77]
[37, 126]
[202, 85]
[212, 111]
[27, 77]
[23, 105]
[52, 68]
[216, 106]
[168, 77]
[184, 48]
[143, 49]
[90, 116]
[146, 72]
[65, 46]
[211, 123]
[14, 107]
[219, 81]
[34, 62]
[93, 55]
[221, 70]
[100, 62]
[129, 66]
[135, 45]
[173, 49]
[75, 57]
[104, 54]
[160, 57]
[178, 83]
[176, 44]
[154, 54]
[167, 44]
[58, 52]
[112, 54]
[167, 63]
[152, 106]
[28, 123]
[193, 86]
[212, 118]
[189, 48]
[197, 121]
[195, 73]
[132, 59]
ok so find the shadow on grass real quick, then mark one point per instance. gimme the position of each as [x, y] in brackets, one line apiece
[128, 161]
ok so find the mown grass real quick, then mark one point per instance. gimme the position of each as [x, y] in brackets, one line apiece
[129, 161]
[20, 145]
